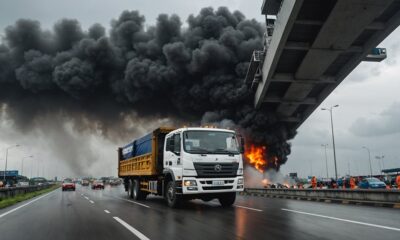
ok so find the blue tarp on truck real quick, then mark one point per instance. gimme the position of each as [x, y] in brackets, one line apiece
[137, 147]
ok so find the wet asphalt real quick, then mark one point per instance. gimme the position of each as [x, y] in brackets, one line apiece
[109, 214]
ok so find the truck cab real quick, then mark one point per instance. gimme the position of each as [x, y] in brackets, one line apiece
[204, 163]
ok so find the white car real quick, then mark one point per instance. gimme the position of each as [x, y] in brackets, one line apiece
[23, 184]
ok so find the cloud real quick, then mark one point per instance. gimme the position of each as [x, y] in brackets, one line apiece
[385, 124]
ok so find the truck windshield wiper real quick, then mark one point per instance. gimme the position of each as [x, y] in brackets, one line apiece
[200, 150]
[224, 151]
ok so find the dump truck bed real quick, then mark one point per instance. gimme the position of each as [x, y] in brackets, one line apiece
[143, 156]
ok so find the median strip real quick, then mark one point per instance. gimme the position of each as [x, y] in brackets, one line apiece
[6, 202]
[26, 204]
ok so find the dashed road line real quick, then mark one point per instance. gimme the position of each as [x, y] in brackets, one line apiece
[106, 211]
[91, 201]
[140, 204]
[138, 234]
[249, 208]
[343, 220]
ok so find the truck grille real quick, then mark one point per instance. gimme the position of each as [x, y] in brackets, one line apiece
[218, 188]
[209, 170]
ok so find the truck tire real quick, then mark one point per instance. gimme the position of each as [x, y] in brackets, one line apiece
[227, 199]
[137, 193]
[173, 200]
[130, 189]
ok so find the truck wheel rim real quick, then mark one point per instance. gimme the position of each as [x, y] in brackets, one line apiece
[135, 189]
[171, 194]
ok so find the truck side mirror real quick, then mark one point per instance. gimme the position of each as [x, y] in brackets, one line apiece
[241, 145]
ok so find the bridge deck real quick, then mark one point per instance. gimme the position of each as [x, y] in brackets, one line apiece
[315, 44]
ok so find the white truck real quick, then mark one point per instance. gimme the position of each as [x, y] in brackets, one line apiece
[183, 164]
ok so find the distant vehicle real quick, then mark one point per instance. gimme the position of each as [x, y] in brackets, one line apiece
[115, 181]
[39, 181]
[97, 184]
[85, 182]
[183, 164]
[106, 180]
[371, 183]
[22, 184]
[68, 184]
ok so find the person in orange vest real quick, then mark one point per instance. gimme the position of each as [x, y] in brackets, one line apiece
[314, 182]
[398, 181]
[352, 183]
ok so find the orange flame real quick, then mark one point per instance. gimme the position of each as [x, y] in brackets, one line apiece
[256, 155]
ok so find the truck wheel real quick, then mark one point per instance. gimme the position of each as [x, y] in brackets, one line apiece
[227, 199]
[137, 193]
[173, 200]
[130, 189]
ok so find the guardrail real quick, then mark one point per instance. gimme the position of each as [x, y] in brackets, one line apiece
[373, 196]
[13, 191]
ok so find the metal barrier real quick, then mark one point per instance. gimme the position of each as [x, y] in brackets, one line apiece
[14, 191]
[357, 195]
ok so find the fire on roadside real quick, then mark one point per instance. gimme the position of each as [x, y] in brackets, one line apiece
[255, 156]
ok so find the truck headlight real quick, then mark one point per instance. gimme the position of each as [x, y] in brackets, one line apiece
[240, 181]
[188, 183]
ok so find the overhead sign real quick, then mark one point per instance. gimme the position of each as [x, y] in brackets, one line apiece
[10, 173]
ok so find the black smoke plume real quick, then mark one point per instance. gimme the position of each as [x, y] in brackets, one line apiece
[189, 73]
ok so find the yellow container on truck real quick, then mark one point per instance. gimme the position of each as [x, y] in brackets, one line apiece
[183, 164]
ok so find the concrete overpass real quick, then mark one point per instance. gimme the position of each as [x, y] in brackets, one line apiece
[311, 46]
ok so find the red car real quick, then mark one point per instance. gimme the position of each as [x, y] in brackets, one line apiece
[97, 184]
[68, 185]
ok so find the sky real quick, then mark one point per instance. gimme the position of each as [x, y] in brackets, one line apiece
[368, 113]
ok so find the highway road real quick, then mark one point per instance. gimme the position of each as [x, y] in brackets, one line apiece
[109, 214]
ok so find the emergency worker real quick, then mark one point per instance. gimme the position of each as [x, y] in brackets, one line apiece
[352, 183]
[314, 182]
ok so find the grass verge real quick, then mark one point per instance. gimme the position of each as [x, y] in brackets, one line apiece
[22, 197]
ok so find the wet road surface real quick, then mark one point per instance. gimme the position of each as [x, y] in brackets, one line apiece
[109, 214]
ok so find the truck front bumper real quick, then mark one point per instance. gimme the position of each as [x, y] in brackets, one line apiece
[212, 185]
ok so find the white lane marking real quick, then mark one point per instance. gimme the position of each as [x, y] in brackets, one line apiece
[87, 198]
[143, 205]
[91, 201]
[343, 220]
[131, 229]
[26, 204]
[106, 211]
[254, 209]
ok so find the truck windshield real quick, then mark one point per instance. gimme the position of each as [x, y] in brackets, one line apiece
[214, 142]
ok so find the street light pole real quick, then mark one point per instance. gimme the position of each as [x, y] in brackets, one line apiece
[5, 168]
[326, 160]
[369, 158]
[22, 164]
[380, 161]
[333, 137]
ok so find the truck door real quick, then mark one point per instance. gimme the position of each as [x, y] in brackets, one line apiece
[172, 155]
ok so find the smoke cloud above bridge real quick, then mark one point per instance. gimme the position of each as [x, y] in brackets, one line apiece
[189, 73]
